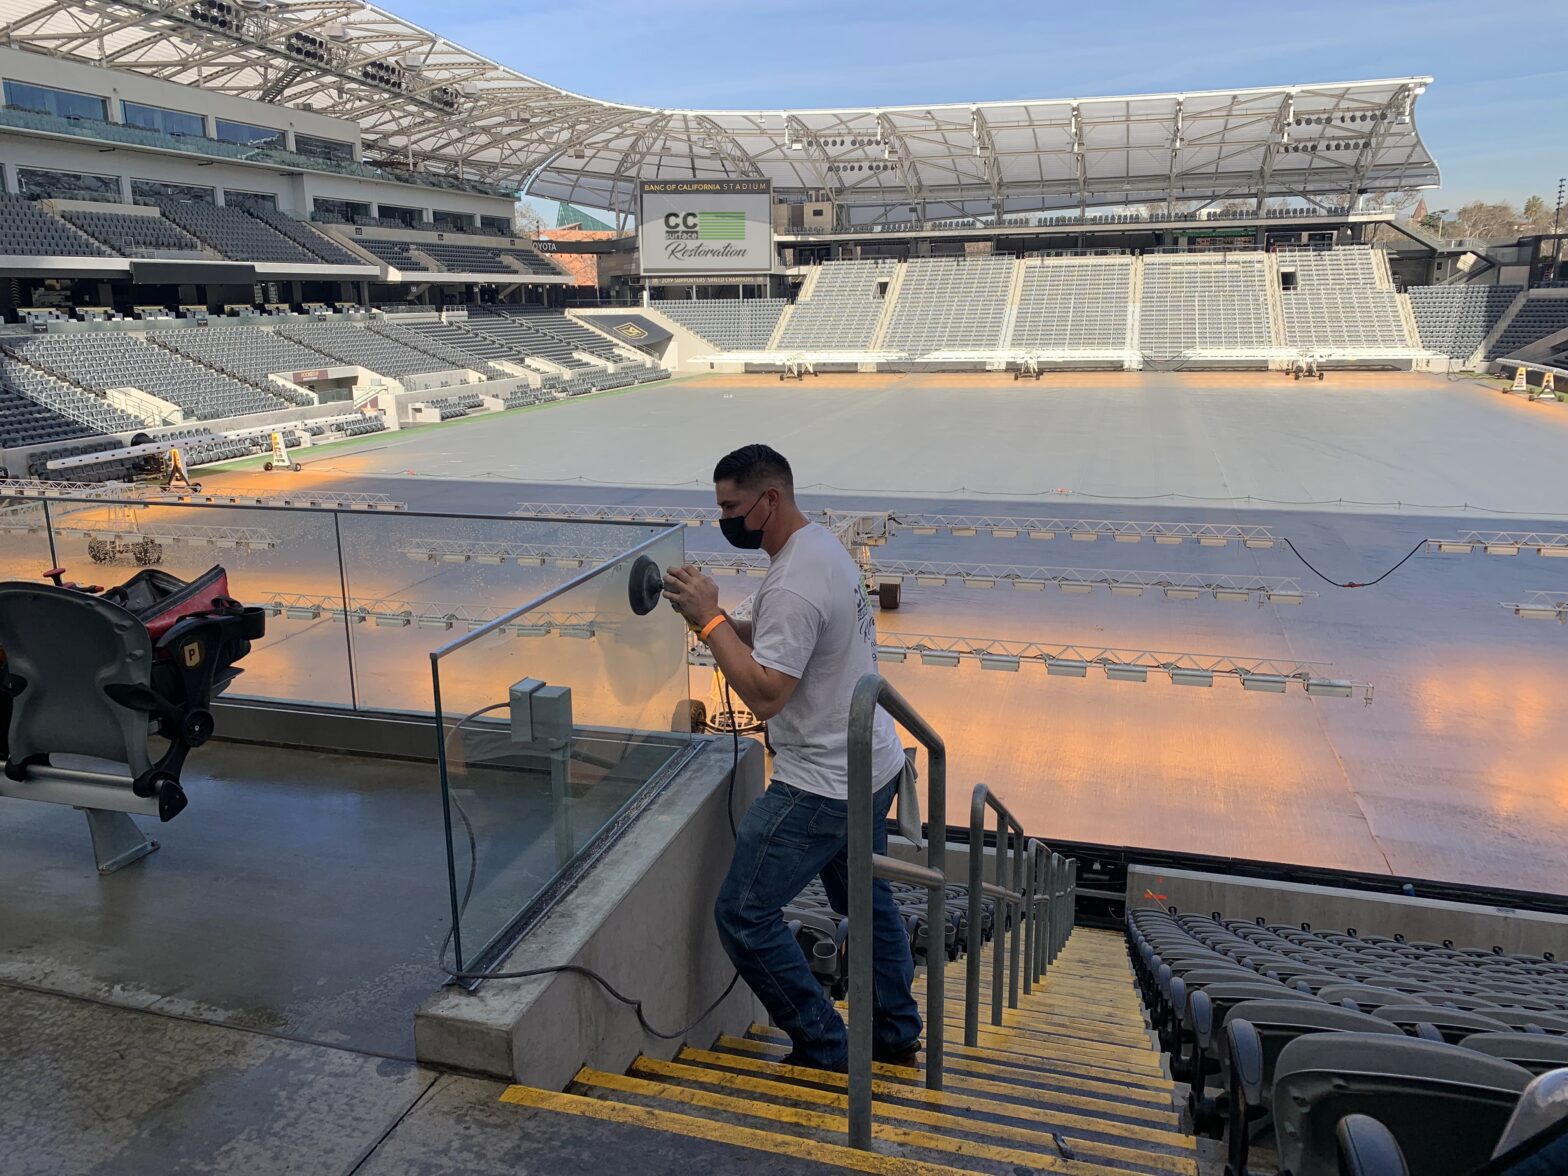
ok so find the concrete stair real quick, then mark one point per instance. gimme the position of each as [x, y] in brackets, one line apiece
[1070, 1082]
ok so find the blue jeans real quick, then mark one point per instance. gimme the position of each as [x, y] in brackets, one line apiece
[786, 838]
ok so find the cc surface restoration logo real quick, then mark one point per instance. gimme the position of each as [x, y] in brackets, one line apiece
[705, 226]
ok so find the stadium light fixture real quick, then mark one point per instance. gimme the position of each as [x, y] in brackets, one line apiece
[490, 559]
[1126, 589]
[454, 557]
[1456, 548]
[1536, 612]
[1042, 534]
[1181, 676]
[961, 532]
[893, 656]
[530, 561]
[1003, 533]
[938, 657]
[525, 629]
[1062, 667]
[979, 582]
[419, 556]
[1232, 595]
[1085, 536]
[1174, 593]
[931, 581]
[1076, 587]
[1259, 544]
[999, 661]
[1264, 683]
[1283, 597]
[1028, 585]
[580, 632]
[1128, 537]
[1168, 540]
[1213, 541]
[1554, 551]
[1127, 673]
[1330, 687]
[1501, 549]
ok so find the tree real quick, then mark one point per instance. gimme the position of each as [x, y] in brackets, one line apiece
[1488, 221]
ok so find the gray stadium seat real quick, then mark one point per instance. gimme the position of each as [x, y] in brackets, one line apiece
[1446, 1106]
[1256, 1032]
[1536, 1052]
[1452, 1024]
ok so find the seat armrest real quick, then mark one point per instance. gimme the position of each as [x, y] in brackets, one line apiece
[1246, 1061]
[1367, 1148]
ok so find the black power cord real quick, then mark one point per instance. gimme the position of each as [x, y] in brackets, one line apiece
[577, 969]
[1354, 583]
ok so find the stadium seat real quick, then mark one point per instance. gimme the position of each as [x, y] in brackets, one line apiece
[90, 675]
[1446, 1106]
[1536, 1052]
[1452, 1024]
[1255, 1033]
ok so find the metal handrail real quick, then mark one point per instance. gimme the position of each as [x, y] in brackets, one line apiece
[870, 692]
[1007, 890]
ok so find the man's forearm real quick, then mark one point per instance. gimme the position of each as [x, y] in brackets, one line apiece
[742, 629]
[732, 655]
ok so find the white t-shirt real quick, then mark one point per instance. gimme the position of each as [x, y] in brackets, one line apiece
[812, 621]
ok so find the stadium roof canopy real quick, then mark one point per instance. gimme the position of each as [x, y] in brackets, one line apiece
[427, 103]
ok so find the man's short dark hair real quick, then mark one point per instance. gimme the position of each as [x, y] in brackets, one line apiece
[755, 467]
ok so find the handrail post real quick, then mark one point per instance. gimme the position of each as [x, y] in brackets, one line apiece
[976, 941]
[862, 704]
[1031, 923]
[999, 919]
[870, 693]
[1019, 908]
[936, 913]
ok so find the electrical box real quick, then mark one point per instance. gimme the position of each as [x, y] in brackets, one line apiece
[521, 696]
[552, 714]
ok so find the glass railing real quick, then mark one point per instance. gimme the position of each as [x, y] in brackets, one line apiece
[355, 601]
[34, 120]
[367, 611]
[559, 720]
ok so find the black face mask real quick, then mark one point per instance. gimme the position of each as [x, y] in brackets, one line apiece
[736, 531]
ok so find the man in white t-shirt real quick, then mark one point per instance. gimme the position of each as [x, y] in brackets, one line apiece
[795, 664]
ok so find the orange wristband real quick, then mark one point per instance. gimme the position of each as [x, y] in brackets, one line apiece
[706, 630]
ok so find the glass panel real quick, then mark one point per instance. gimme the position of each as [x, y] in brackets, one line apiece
[157, 118]
[612, 717]
[283, 560]
[155, 192]
[24, 540]
[251, 136]
[417, 582]
[64, 103]
[41, 184]
[323, 148]
[461, 222]
[234, 199]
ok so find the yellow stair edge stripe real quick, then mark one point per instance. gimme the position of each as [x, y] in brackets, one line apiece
[995, 1078]
[803, 1120]
[1122, 1060]
[1017, 1048]
[1120, 1146]
[999, 1059]
[1107, 1032]
[1163, 1114]
[696, 1127]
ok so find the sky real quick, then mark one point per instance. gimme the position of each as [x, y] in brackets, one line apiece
[1495, 118]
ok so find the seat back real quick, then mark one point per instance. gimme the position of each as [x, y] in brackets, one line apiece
[1445, 1105]
[1279, 1022]
[1536, 1052]
[63, 648]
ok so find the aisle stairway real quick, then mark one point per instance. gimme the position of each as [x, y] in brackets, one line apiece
[1068, 1083]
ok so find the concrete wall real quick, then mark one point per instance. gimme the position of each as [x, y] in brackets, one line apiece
[643, 918]
[1331, 908]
